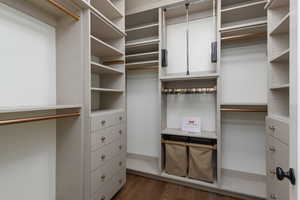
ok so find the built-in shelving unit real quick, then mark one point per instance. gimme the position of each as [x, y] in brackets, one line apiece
[107, 8]
[142, 41]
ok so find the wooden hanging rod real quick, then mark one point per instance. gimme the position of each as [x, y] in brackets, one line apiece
[244, 110]
[34, 119]
[244, 36]
[66, 11]
[212, 147]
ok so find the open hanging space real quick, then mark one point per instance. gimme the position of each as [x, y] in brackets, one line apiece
[139, 99]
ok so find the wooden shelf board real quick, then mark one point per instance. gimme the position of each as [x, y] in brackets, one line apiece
[279, 87]
[193, 76]
[244, 26]
[141, 55]
[103, 69]
[241, 6]
[141, 43]
[283, 26]
[107, 90]
[105, 112]
[142, 27]
[102, 29]
[107, 8]
[17, 109]
[282, 57]
[102, 49]
[142, 63]
[179, 132]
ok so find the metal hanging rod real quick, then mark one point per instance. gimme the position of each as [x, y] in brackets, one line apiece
[63, 9]
[244, 109]
[208, 90]
[34, 119]
[244, 36]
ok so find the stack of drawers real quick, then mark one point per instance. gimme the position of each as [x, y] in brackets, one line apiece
[277, 156]
[108, 154]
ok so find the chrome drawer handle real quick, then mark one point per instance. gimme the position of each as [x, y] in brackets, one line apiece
[120, 132]
[120, 163]
[120, 147]
[103, 138]
[103, 122]
[120, 118]
[103, 157]
[272, 149]
[272, 128]
[103, 198]
[103, 177]
[273, 196]
[120, 181]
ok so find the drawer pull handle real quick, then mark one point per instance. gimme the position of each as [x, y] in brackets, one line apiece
[103, 138]
[120, 132]
[290, 175]
[103, 177]
[120, 181]
[272, 149]
[273, 196]
[103, 157]
[272, 128]
[120, 163]
[103, 198]
[120, 118]
[120, 147]
[103, 122]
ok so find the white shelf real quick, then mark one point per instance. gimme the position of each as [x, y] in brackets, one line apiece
[143, 63]
[277, 3]
[243, 11]
[107, 8]
[193, 76]
[103, 30]
[107, 90]
[102, 49]
[142, 55]
[279, 87]
[144, 31]
[142, 43]
[248, 25]
[105, 112]
[282, 57]
[178, 132]
[142, 27]
[282, 27]
[103, 69]
[17, 109]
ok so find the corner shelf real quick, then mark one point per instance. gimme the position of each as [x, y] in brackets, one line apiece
[178, 132]
[193, 76]
[107, 90]
[282, 27]
[103, 30]
[103, 49]
[103, 69]
[282, 57]
[107, 8]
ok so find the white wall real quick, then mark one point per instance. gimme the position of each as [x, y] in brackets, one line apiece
[27, 77]
[143, 127]
[202, 33]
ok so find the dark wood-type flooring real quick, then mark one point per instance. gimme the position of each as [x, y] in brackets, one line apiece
[141, 188]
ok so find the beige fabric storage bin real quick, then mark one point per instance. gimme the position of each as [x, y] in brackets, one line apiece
[176, 157]
[201, 166]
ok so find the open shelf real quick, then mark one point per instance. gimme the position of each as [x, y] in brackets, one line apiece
[248, 25]
[107, 8]
[143, 63]
[138, 19]
[142, 55]
[103, 69]
[282, 57]
[141, 43]
[102, 30]
[144, 31]
[279, 87]
[18, 109]
[107, 90]
[143, 27]
[102, 49]
[106, 111]
[243, 11]
[193, 76]
[282, 27]
[203, 134]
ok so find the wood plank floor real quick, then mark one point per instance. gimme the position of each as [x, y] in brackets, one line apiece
[141, 188]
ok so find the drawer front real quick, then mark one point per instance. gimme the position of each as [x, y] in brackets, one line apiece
[118, 181]
[278, 129]
[277, 156]
[105, 136]
[106, 120]
[103, 155]
[102, 175]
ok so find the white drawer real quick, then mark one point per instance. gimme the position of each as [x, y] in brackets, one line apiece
[278, 128]
[106, 120]
[103, 155]
[277, 156]
[118, 181]
[105, 136]
[103, 174]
